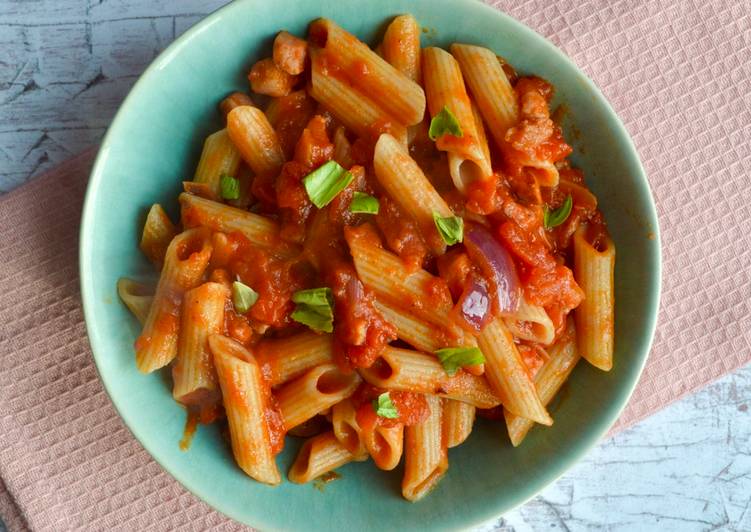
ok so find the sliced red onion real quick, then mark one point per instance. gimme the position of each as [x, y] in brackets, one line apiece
[497, 266]
[474, 304]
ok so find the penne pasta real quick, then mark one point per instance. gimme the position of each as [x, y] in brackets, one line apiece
[406, 183]
[384, 445]
[136, 296]
[351, 107]
[458, 419]
[255, 140]
[346, 428]
[384, 273]
[401, 46]
[411, 329]
[193, 374]
[259, 230]
[314, 392]
[394, 92]
[507, 374]
[444, 86]
[531, 322]
[236, 99]
[287, 358]
[425, 453]
[246, 403]
[158, 232]
[548, 380]
[490, 87]
[412, 371]
[593, 271]
[319, 455]
[219, 157]
[184, 263]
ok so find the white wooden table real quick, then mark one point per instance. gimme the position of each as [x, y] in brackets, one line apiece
[65, 66]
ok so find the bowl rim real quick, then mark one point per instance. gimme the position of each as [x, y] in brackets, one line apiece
[597, 429]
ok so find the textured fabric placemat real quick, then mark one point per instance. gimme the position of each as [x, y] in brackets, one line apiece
[676, 72]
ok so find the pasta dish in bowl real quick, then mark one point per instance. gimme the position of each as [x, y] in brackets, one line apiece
[377, 247]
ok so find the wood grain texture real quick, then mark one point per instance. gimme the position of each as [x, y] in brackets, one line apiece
[64, 69]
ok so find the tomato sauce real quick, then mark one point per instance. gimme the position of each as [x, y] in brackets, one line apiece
[412, 408]
[274, 279]
[536, 138]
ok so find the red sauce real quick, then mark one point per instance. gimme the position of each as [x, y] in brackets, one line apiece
[411, 407]
[535, 138]
[289, 115]
[401, 234]
[455, 267]
[554, 289]
[273, 278]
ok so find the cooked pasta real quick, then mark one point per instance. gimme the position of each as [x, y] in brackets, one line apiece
[356, 266]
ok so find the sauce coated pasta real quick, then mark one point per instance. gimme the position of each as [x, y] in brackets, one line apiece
[376, 248]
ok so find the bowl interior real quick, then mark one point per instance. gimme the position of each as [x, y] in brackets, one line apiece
[154, 144]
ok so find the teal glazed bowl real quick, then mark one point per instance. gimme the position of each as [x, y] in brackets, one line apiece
[154, 143]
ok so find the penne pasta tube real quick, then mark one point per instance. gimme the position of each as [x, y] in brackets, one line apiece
[193, 374]
[531, 322]
[259, 230]
[136, 296]
[314, 392]
[426, 455]
[458, 419]
[351, 107]
[255, 140]
[401, 46]
[184, 263]
[548, 380]
[411, 329]
[406, 183]
[246, 402]
[346, 428]
[236, 99]
[219, 157]
[384, 445]
[507, 375]
[394, 92]
[468, 159]
[412, 371]
[158, 232]
[287, 358]
[489, 86]
[593, 271]
[319, 455]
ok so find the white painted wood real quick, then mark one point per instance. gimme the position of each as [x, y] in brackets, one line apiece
[65, 66]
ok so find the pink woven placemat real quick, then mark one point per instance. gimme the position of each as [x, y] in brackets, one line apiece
[676, 72]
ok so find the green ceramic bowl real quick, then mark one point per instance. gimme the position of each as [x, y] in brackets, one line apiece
[154, 143]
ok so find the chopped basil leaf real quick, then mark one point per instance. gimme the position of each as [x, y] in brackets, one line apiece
[325, 182]
[450, 228]
[556, 217]
[230, 187]
[314, 296]
[384, 407]
[453, 358]
[243, 297]
[444, 123]
[316, 321]
[363, 203]
[314, 308]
